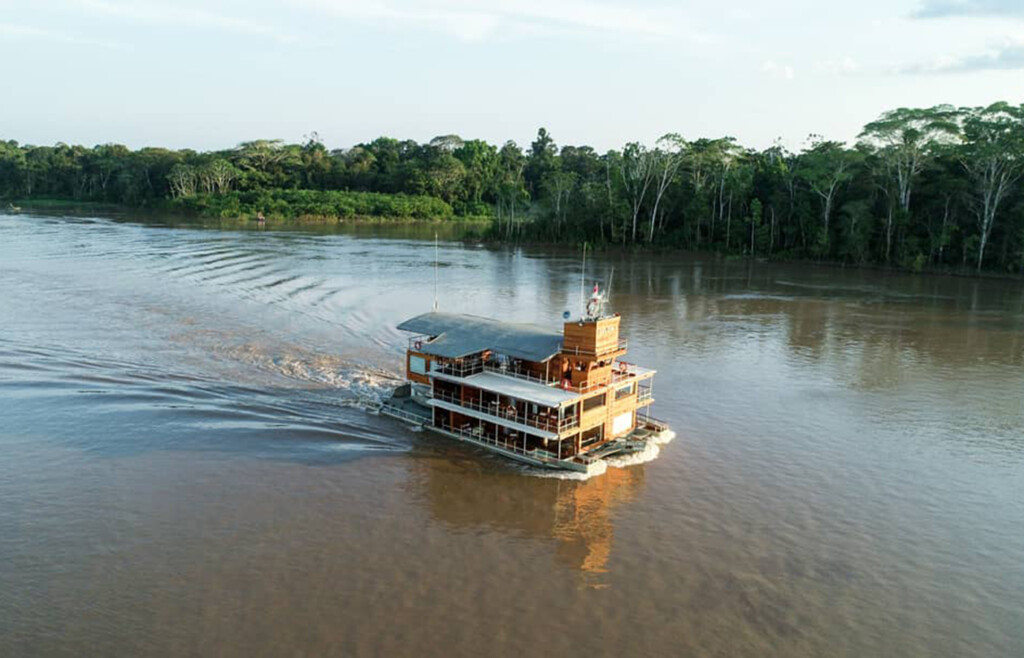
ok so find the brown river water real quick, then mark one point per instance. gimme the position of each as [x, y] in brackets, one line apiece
[187, 466]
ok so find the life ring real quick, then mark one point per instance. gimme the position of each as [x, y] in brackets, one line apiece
[566, 384]
[623, 368]
[418, 344]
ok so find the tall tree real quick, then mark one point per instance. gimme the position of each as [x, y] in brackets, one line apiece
[994, 159]
[906, 139]
[637, 172]
[541, 162]
[666, 160]
[825, 167]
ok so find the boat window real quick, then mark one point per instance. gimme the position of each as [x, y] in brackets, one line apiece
[624, 391]
[593, 403]
[417, 365]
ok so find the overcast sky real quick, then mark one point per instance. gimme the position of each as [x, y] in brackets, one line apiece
[207, 75]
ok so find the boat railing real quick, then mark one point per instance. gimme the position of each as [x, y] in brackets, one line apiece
[510, 444]
[416, 343]
[473, 366]
[586, 387]
[459, 367]
[659, 425]
[625, 370]
[403, 414]
[490, 366]
[493, 409]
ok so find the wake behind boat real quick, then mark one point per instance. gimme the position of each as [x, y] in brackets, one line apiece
[561, 400]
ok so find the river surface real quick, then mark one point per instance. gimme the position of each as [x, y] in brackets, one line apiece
[187, 466]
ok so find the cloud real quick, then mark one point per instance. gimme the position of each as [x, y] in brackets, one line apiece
[477, 20]
[176, 15]
[844, 66]
[1008, 57]
[28, 32]
[778, 70]
[974, 8]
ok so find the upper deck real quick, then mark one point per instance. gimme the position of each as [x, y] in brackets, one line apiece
[521, 389]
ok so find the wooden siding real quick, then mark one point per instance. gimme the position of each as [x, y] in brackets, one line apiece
[593, 337]
[596, 416]
[627, 403]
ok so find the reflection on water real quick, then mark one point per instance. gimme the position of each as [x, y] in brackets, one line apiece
[188, 468]
[583, 517]
[470, 492]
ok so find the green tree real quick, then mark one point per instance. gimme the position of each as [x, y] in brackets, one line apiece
[825, 167]
[905, 140]
[993, 156]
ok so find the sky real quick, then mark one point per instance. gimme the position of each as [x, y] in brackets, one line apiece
[208, 75]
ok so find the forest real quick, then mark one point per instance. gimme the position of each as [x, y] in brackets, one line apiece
[922, 188]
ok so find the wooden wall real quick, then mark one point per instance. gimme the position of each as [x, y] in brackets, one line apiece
[593, 337]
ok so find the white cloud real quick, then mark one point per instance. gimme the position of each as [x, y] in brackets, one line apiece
[1007, 55]
[844, 66]
[181, 16]
[974, 8]
[29, 32]
[778, 70]
[476, 20]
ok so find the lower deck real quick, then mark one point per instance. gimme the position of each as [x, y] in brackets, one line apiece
[524, 447]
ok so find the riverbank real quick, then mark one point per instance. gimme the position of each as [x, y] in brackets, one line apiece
[196, 214]
[465, 229]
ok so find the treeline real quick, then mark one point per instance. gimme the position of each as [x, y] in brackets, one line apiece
[936, 187]
[317, 204]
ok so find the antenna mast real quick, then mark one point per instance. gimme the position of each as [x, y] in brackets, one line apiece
[608, 287]
[435, 272]
[583, 284]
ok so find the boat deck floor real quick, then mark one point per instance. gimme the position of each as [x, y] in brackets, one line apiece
[409, 409]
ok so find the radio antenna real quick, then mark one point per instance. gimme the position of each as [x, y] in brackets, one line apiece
[583, 283]
[608, 287]
[435, 272]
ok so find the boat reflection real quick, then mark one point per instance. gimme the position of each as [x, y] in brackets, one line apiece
[579, 516]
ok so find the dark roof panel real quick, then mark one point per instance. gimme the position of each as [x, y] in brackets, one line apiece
[461, 335]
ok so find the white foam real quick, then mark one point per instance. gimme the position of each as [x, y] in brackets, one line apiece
[663, 437]
[651, 451]
[368, 386]
[596, 469]
[648, 454]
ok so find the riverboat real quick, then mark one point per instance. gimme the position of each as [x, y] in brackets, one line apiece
[561, 400]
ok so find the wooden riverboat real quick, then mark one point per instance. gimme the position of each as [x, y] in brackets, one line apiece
[563, 400]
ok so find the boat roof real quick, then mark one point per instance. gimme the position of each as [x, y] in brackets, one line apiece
[458, 335]
[513, 387]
